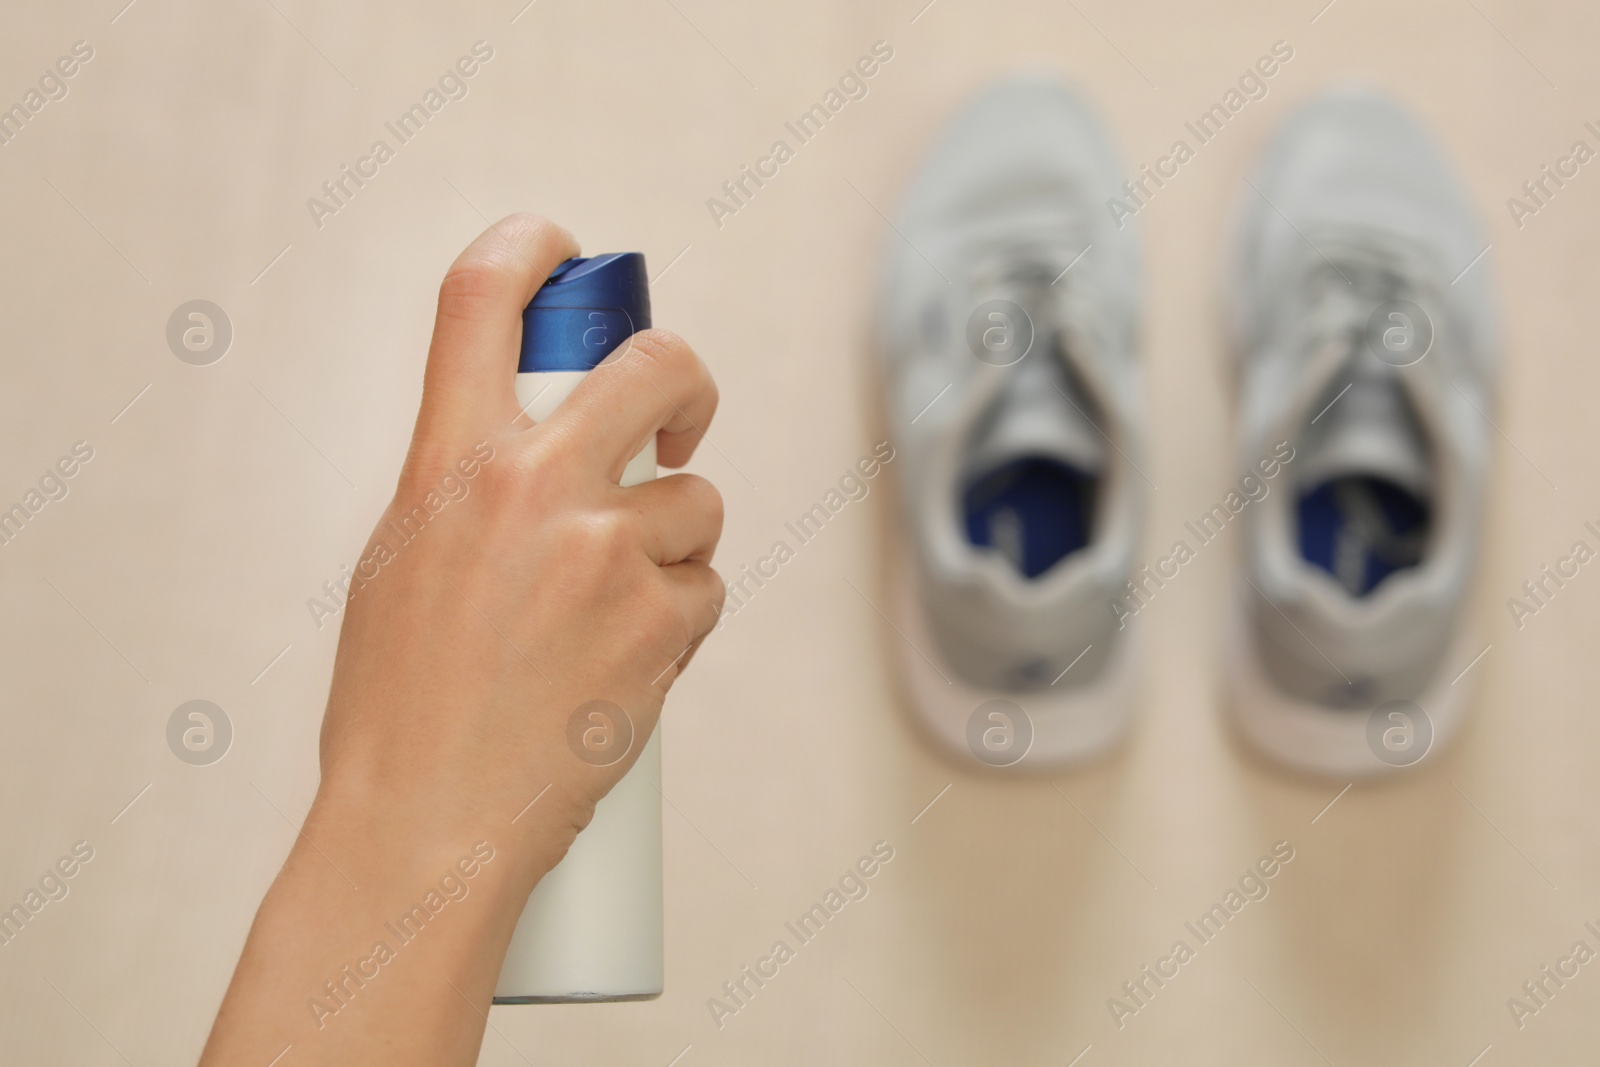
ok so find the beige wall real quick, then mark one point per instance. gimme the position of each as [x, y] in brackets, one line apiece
[178, 167]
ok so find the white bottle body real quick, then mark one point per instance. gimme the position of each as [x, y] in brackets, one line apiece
[593, 929]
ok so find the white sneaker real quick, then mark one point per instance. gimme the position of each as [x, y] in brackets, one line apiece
[1370, 349]
[1014, 401]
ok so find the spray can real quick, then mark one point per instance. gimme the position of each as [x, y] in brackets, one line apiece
[593, 927]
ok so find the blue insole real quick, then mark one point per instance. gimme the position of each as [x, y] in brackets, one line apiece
[1033, 510]
[1361, 530]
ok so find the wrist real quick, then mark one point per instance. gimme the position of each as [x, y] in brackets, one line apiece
[403, 838]
[374, 916]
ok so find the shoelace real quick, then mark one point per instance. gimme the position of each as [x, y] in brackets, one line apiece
[1360, 271]
[1031, 272]
[1368, 532]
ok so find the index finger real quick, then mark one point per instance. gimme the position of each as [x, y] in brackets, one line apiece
[472, 361]
[656, 386]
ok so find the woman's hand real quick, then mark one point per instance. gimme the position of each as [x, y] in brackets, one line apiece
[544, 587]
[510, 582]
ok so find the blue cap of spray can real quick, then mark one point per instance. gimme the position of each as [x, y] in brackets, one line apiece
[586, 310]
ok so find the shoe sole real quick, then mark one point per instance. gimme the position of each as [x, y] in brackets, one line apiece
[1315, 739]
[1070, 726]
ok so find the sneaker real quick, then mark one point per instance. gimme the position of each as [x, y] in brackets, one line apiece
[1365, 325]
[1008, 331]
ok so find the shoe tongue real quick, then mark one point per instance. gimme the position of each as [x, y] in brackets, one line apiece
[1038, 412]
[1369, 430]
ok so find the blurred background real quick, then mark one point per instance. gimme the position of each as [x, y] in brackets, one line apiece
[229, 479]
